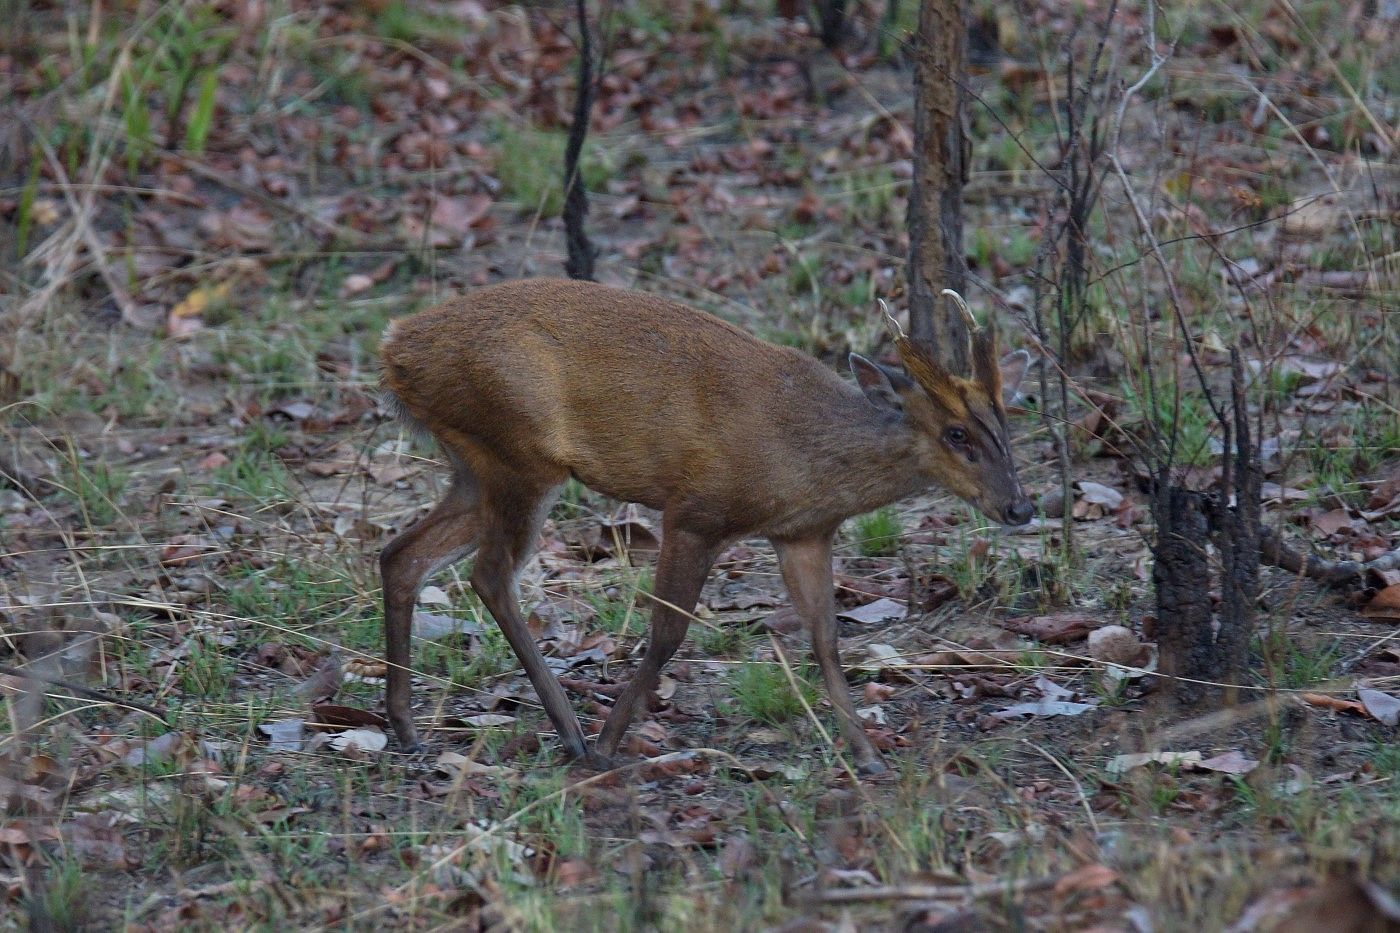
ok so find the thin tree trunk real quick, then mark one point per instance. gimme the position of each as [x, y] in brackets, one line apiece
[832, 14]
[1236, 533]
[940, 167]
[582, 252]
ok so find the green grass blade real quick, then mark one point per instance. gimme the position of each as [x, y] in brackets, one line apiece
[197, 130]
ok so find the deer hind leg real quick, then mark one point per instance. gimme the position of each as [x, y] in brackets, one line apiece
[680, 575]
[445, 535]
[513, 508]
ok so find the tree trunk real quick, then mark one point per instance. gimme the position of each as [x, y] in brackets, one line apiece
[832, 16]
[940, 167]
[1181, 577]
[1235, 530]
[582, 252]
[1205, 658]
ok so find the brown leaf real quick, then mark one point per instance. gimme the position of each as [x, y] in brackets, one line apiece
[334, 716]
[1231, 762]
[324, 682]
[877, 692]
[725, 602]
[1336, 704]
[365, 668]
[99, 841]
[244, 228]
[1057, 629]
[570, 873]
[737, 856]
[612, 537]
[1086, 878]
[186, 548]
[211, 461]
[783, 622]
[1329, 523]
[458, 215]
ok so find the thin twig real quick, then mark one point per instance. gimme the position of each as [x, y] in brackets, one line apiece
[934, 892]
[86, 693]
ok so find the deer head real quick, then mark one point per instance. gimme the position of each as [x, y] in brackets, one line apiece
[959, 424]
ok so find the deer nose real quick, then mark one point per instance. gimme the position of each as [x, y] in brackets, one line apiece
[1019, 512]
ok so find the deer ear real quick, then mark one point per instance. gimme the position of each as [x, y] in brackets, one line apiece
[880, 385]
[1013, 368]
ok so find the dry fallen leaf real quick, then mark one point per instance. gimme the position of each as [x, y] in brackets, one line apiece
[366, 740]
[1085, 878]
[1231, 762]
[1099, 494]
[1329, 523]
[1121, 763]
[284, 735]
[881, 610]
[1383, 707]
[1336, 704]
[184, 318]
[433, 596]
[1045, 707]
[346, 717]
[1059, 628]
[431, 626]
[454, 764]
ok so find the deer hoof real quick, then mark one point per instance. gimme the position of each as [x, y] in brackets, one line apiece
[408, 741]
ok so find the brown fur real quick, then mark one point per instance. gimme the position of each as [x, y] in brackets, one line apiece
[644, 399]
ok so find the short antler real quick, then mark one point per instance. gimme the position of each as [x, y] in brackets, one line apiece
[982, 346]
[957, 299]
[896, 331]
[974, 332]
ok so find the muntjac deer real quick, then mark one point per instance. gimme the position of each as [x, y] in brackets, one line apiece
[527, 383]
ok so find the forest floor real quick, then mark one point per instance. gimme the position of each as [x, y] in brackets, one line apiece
[216, 208]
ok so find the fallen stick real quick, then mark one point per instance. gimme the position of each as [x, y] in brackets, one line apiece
[933, 892]
[1336, 573]
[84, 692]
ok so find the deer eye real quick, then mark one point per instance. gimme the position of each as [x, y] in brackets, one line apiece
[956, 435]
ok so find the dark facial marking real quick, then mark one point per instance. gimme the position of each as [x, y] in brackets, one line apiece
[991, 427]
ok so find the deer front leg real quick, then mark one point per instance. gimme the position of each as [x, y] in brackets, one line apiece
[806, 566]
[680, 575]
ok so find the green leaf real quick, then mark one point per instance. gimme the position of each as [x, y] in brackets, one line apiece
[197, 130]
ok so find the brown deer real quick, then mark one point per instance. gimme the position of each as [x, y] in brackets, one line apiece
[527, 383]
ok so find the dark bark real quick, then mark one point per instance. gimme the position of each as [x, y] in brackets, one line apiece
[582, 252]
[1196, 651]
[940, 168]
[1181, 576]
[1235, 530]
[832, 16]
